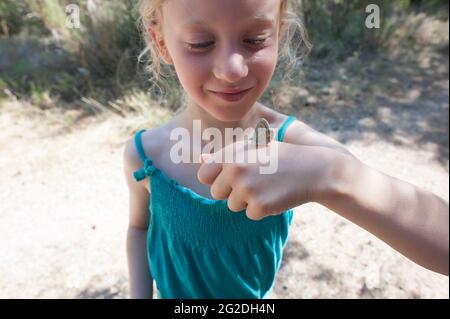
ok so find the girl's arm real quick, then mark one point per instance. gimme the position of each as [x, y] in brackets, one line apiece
[140, 277]
[412, 220]
[312, 167]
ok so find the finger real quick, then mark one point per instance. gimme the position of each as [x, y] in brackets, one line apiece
[236, 202]
[221, 187]
[208, 170]
[254, 211]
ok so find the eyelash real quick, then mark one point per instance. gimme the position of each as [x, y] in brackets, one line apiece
[199, 46]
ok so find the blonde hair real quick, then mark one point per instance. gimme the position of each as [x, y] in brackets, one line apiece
[292, 51]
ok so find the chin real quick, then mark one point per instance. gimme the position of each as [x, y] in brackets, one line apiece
[223, 114]
[228, 113]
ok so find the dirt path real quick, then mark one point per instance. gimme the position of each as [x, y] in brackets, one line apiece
[63, 198]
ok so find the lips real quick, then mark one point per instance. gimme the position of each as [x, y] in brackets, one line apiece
[231, 91]
[231, 95]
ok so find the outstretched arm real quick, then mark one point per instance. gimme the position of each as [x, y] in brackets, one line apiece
[412, 220]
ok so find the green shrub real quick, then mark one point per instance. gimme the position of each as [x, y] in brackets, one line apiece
[102, 56]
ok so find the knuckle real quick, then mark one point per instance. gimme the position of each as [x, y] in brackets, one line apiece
[248, 189]
[214, 191]
[244, 187]
[254, 211]
[263, 207]
[233, 207]
[234, 204]
[254, 215]
[239, 169]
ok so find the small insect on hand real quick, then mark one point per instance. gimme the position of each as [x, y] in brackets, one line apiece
[263, 134]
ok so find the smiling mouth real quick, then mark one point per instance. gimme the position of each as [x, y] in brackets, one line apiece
[231, 91]
[232, 97]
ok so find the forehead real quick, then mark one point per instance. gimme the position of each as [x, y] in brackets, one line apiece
[188, 13]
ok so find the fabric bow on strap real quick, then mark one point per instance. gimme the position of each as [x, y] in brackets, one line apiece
[147, 170]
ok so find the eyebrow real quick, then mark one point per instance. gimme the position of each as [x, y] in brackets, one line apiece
[257, 18]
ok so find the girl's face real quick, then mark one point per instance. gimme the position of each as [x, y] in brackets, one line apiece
[221, 45]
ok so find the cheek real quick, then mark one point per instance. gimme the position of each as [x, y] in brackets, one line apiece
[262, 65]
[192, 71]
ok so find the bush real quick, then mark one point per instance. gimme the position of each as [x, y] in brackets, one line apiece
[102, 56]
[16, 17]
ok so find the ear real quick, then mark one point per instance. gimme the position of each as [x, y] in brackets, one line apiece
[161, 45]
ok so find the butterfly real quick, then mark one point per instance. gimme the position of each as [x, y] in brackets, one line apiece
[263, 134]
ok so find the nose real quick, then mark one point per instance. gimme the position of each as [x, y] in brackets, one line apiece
[230, 67]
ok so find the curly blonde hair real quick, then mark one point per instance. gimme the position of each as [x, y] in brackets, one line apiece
[292, 50]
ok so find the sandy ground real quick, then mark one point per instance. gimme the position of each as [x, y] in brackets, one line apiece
[63, 203]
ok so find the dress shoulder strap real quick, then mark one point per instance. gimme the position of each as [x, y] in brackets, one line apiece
[138, 143]
[148, 168]
[283, 127]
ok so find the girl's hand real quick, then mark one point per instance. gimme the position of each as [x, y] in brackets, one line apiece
[302, 175]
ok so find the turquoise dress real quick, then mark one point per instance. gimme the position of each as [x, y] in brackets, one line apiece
[198, 248]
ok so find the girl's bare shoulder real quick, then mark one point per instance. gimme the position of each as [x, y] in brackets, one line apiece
[275, 118]
[153, 143]
[299, 132]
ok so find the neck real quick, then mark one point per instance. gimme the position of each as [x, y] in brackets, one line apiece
[195, 112]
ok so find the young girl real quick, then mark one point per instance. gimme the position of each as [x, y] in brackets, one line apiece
[230, 244]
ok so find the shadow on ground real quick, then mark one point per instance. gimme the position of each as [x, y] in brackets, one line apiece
[95, 290]
[375, 97]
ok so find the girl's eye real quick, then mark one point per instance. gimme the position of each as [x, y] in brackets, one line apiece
[257, 41]
[204, 45]
[199, 45]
